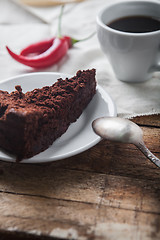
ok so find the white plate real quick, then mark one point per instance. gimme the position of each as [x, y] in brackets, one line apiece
[79, 136]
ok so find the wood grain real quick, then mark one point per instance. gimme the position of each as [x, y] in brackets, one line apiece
[108, 192]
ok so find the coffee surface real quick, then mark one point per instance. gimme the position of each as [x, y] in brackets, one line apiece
[135, 24]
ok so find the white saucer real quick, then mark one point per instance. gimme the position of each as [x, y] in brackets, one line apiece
[79, 136]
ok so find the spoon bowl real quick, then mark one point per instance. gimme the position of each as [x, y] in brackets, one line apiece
[123, 130]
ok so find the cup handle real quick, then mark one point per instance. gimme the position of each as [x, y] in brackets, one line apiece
[156, 67]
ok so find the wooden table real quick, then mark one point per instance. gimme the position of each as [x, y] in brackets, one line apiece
[109, 192]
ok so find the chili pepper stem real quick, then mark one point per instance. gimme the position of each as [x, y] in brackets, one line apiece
[73, 40]
[60, 21]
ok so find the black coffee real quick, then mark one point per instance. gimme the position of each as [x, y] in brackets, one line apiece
[135, 24]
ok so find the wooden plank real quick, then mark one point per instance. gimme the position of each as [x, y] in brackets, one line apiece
[152, 120]
[114, 223]
[132, 194]
[43, 216]
[69, 220]
[86, 187]
[51, 182]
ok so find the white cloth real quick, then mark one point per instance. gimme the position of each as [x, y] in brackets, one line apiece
[20, 26]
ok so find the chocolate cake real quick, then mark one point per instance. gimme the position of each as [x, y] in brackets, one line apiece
[30, 122]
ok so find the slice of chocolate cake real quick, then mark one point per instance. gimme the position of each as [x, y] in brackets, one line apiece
[30, 122]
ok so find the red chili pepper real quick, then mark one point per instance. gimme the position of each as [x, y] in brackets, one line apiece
[37, 48]
[47, 52]
[45, 59]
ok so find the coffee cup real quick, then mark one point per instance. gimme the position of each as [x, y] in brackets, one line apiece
[133, 50]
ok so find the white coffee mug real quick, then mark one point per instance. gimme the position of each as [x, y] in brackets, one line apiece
[133, 56]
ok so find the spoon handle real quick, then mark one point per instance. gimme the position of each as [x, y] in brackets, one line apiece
[148, 154]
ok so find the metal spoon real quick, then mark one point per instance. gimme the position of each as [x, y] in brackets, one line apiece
[123, 130]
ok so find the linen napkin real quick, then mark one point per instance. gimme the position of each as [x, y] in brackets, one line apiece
[79, 20]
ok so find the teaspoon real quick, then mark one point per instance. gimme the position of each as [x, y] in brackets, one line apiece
[123, 130]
